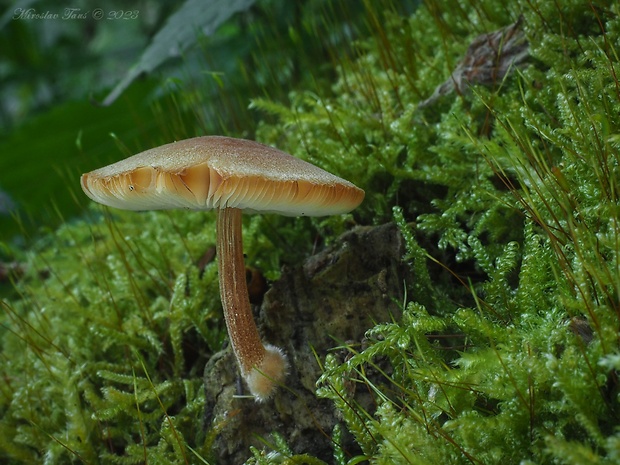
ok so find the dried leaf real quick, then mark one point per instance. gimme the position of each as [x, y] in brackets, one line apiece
[489, 58]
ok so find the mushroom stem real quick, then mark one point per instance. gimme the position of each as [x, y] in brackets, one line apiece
[262, 367]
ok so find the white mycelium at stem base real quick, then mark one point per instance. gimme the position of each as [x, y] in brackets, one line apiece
[262, 366]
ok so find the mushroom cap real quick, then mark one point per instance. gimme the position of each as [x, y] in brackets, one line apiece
[217, 172]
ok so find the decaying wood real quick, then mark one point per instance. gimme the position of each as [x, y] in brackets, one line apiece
[333, 298]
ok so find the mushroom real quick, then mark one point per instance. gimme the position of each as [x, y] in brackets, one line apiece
[229, 175]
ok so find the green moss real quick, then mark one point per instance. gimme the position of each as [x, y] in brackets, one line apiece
[515, 188]
[507, 197]
[98, 345]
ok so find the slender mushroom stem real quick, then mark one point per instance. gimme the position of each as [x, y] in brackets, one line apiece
[262, 367]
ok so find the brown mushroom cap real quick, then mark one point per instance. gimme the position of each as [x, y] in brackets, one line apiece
[217, 172]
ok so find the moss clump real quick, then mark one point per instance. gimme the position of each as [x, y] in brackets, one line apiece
[513, 187]
[102, 356]
[507, 197]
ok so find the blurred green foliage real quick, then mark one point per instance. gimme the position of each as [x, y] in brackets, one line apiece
[49, 129]
[56, 71]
